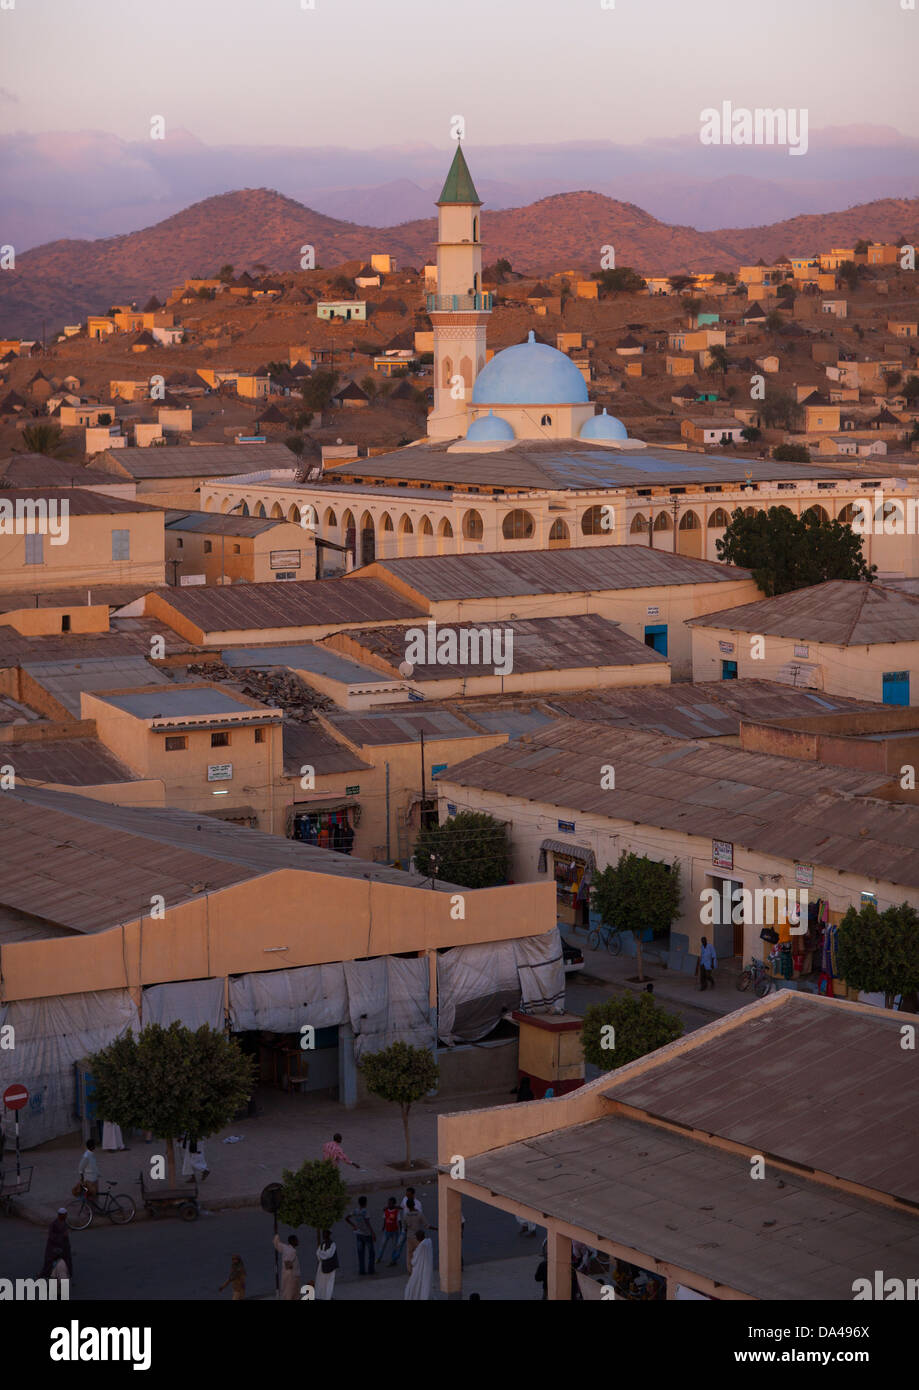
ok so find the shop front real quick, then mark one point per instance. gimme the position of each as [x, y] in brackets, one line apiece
[329, 823]
[573, 867]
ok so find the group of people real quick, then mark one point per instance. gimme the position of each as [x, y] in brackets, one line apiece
[402, 1228]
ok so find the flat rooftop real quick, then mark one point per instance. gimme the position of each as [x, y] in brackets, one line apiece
[309, 657]
[199, 460]
[177, 700]
[294, 604]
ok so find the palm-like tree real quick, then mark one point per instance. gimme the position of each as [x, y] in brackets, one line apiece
[42, 439]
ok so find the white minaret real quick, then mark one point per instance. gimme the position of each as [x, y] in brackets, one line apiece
[459, 310]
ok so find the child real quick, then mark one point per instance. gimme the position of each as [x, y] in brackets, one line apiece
[392, 1231]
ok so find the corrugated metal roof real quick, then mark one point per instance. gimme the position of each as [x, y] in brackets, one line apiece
[81, 501]
[373, 727]
[308, 745]
[538, 644]
[88, 865]
[583, 570]
[174, 701]
[774, 805]
[295, 603]
[67, 680]
[77, 762]
[840, 612]
[829, 1088]
[573, 465]
[668, 1196]
[218, 524]
[201, 460]
[310, 657]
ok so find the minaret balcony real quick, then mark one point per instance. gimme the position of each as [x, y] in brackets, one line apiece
[458, 303]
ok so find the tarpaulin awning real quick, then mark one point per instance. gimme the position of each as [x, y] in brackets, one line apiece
[571, 851]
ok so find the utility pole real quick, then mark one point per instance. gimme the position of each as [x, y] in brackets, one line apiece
[422, 780]
[175, 569]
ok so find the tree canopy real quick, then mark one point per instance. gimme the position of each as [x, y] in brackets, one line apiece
[637, 894]
[315, 1195]
[400, 1074]
[626, 1027]
[172, 1081]
[470, 849]
[879, 951]
[787, 552]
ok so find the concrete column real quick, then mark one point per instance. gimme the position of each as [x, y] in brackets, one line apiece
[449, 1213]
[347, 1067]
[558, 1255]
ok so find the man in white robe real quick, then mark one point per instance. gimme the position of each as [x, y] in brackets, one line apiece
[290, 1267]
[421, 1268]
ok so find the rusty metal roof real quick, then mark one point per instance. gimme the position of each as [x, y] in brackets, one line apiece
[403, 726]
[81, 501]
[828, 1088]
[200, 460]
[309, 745]
[841, 612]
[777, 806]
[584, 570]
[539, 644]
[218, 524]
[294, 604]
[670, 1197]
[87, 865]
[77, 762]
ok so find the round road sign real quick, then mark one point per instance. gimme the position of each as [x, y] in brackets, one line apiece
[270, 1199]
[15, 1097]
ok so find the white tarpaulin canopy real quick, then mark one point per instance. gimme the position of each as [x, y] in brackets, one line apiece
[477, 984]
[50, 1036]
[388, 1000]
[281, 1001]
[192, 1002]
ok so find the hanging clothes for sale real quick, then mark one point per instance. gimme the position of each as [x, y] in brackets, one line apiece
[831, 951]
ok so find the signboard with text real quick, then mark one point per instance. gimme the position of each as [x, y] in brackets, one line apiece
[722, 854]
[220, 772]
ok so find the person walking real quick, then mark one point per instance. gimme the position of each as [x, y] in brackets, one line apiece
[706, 965]
[326, 1265]
[112, 1140]
[236, 1277]
[359, 1221]
[421, 1268]
[58, 1240]
[290, 1267]
[333, 1150]
[89, 1168]
[392, 1232]
[410, 1196]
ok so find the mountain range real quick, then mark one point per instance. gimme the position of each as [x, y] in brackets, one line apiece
[62, 281]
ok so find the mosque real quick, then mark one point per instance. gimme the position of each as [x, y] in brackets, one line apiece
[529, 391]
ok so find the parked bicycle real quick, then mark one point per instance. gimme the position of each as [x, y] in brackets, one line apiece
[757, 974]
[607, 936]
[117, 1206]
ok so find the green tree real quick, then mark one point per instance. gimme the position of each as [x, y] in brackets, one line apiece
[750, 433]
[911, 388]
[879, 952]
[718, 360]
[400, 1074]
[791, 453]
[172, 1081]
[315, 1195]
[850, 274]
[692, 306]
[470, 849]
[626, 1027]
[295, 444]
[623, 280]
[317, 390]
[786, 552]
[861, 247]
[225, 273]
[774, 321]
[369, 386]
[43, 439]
[302, 420]
[680, 282]
[637, 894]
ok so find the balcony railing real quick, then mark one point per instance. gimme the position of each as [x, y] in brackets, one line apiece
[458, 303]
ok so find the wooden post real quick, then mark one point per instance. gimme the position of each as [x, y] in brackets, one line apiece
[449, 1214]
[558, 1256]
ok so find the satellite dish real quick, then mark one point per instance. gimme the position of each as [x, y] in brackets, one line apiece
[406, 668]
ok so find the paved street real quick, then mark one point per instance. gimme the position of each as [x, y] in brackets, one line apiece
[169, 1259]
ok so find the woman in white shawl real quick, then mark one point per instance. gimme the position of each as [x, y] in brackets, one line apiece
[326, 1265]
[421, 1268]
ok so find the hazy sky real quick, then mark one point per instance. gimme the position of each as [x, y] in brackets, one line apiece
[372, 72]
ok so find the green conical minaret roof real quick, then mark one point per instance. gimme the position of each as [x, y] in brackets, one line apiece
[458, 187]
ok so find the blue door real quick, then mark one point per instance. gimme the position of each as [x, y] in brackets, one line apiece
[656, 637]
[895, 688]
[729, 670]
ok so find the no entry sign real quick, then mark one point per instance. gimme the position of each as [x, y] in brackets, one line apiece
[15, 1097]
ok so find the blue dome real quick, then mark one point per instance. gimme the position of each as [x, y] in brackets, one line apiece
[489, 427]
[603, 427]
[530, 374]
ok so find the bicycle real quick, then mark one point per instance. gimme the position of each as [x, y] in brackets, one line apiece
[759, 976]
[118, 1207]
[607, 936]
